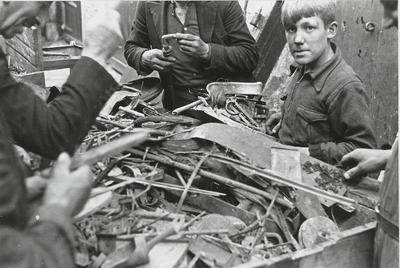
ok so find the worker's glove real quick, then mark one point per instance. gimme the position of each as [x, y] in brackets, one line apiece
[68, 189]
[155, 60]
[193, 46]
[364, 161]
[103, 36]
[273, 124]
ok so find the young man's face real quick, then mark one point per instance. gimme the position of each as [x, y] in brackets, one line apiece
[15, 15]
[308, 41]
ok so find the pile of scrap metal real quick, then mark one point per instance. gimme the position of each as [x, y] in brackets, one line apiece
[201, 195]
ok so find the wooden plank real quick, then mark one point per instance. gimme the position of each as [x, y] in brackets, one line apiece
[59, 64]
[21, 62]
[28, 37]
[25, 50]
[374, 56]
[270, 44]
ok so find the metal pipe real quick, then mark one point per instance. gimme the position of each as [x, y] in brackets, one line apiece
[214, 177]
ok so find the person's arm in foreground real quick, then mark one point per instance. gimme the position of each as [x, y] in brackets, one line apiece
[48, 239]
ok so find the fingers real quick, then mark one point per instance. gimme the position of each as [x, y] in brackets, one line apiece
[276, 128]
[348, 159]
[67, 189]
[353, 173]
[63, 163]
[273, 124]
[182, 37]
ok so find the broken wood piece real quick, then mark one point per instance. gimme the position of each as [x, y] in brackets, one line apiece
[98, 153]
[190, 181]
[287, 162]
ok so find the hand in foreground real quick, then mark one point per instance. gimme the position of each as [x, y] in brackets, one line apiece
[193, 45]
[36, 186]
[68, 189]
[103, 36]
[273, 124]
[155, 59]
[365, 161]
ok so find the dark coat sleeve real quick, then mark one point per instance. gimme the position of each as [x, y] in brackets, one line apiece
[139, 40]
[238, 50]
[61, 126]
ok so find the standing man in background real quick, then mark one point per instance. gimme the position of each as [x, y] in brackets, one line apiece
[46, 239]
[211, 41]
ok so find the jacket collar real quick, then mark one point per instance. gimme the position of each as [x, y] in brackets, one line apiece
[319, 76]
[206, 12]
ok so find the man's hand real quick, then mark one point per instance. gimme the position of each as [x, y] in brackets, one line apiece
[36, 186]
[155, 59]
[68, 189]
[103, 36]
[273, 124]
[192, 45]
[365, 161]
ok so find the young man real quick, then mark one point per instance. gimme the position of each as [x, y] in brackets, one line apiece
[326, 107]
[46, 239]
[386, 248]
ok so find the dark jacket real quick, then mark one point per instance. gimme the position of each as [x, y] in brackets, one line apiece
[26, 120]
[233, 50]
[327, 111]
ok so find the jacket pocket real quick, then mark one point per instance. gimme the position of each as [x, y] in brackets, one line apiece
[313, 126]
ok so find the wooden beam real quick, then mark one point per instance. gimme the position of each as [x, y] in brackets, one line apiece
[270, 44]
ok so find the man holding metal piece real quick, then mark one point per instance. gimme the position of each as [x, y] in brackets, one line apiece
[386, 247]
[191, 44]
[45, 239]
[325, 109]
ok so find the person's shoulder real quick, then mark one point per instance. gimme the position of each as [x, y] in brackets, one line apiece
[148, 3]
[346, 72]
[223, 4]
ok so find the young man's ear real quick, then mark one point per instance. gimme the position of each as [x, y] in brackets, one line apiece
[332, 30]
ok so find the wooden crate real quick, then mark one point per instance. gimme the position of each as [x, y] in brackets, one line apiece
[350, 249]
[25, 50]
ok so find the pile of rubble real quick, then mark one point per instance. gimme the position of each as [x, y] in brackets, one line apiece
[201, 195]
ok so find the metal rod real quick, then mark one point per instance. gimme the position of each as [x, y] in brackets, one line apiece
[273, 176]
[214, 177]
